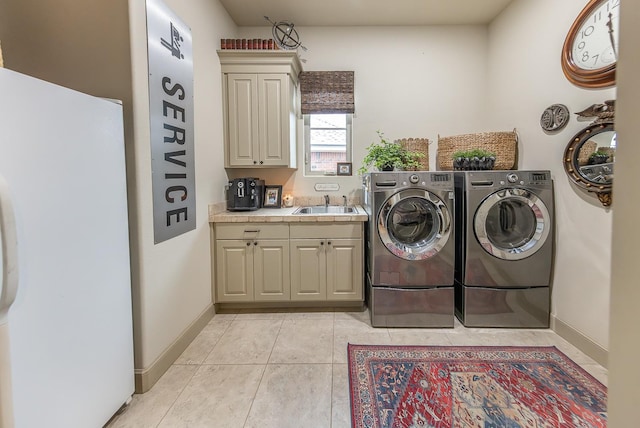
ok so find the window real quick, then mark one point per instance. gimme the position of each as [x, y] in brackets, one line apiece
[327, 106]
[327, 141]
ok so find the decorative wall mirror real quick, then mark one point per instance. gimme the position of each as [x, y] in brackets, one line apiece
[590, 155]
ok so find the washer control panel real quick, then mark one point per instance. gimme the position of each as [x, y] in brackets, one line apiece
[380, 180]
[512, 178]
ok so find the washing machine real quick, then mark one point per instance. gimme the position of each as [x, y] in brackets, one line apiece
[410, 248]
[504, 248]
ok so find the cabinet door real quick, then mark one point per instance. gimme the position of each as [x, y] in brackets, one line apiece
[308, 269]
[344, 269]
[273, 123]
[242, 119]
[271, 270]
[234, 271]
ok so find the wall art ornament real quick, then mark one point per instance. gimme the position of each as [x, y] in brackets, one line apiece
[285, 35]
[554, 118]
[589, 158]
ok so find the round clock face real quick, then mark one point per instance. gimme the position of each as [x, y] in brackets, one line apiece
[596, 42]
[591, 48]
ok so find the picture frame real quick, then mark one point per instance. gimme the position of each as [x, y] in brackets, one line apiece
[272, 196]
[343, 168]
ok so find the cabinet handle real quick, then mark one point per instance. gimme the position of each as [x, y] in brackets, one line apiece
[321, 242]
[261, 162]
[248, 243]
[252, 231]
[255, 162]
[255, 242]
[329, 243]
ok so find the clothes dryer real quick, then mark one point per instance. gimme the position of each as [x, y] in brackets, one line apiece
[504, 248]
[410, 248]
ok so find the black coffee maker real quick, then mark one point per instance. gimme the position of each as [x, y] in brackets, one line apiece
[244, 194]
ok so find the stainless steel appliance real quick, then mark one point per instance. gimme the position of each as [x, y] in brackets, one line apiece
[410, 248]
[504, 244]
[245, 194]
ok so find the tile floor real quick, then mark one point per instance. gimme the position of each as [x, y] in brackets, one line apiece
[288, 369]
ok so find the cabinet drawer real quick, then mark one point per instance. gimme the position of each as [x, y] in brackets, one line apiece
[251, 231]
[347, 230]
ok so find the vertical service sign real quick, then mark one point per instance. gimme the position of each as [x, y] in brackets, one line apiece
[171, 119]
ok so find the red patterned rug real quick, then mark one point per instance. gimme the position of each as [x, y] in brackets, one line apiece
[471, 386]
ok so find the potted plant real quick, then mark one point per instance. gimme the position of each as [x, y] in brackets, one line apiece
[475, 159]
[386, 155]
[598, 157]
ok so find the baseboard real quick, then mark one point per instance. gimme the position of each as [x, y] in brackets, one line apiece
[146, 378]
[580, 341]
[333, 306]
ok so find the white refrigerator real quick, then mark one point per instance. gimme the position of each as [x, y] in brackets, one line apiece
[66, 345]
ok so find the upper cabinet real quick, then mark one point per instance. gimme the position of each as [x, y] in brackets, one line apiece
[259, 107]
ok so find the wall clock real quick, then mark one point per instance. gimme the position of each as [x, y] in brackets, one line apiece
[590, 51]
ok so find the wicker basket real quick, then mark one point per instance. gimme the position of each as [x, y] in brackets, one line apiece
[585, 151]
[417, 145]
[503, 144]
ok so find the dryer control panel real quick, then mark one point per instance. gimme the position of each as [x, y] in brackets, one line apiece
[486, 179]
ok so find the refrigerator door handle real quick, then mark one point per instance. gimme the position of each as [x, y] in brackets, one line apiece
[9, 246]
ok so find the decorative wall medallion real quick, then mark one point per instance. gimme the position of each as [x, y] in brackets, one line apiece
[554, 118]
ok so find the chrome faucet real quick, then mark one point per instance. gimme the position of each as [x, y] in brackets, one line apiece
[326, 200]
[344, 200]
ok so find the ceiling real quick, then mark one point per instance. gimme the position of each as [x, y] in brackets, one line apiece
[364, 12]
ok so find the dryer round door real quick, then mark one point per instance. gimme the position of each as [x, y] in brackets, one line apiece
[512, 224]
[414, 224]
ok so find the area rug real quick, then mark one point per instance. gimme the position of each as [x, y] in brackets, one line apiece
[471, 386]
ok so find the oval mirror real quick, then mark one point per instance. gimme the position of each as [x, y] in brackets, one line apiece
[589, 159]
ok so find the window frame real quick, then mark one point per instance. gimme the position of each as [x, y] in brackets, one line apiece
[307, 143]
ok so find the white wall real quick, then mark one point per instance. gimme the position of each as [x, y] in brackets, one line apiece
[525, 77]
[412, 81]
[409, 82]
[174, 278]
[425, 81]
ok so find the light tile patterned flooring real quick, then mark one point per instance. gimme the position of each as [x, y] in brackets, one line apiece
[288, 369]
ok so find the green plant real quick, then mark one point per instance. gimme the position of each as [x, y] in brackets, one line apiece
[474, 153]
[475, 159]
[386, 153]
[598, 157]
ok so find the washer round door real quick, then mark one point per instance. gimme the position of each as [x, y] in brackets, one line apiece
[512, 224]
[414, 224]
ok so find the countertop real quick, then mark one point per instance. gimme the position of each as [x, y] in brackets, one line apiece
[284, 215]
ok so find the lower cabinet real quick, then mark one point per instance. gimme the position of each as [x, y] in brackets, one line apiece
[282, 262]
[253, 265]
[345, 277]
[326, 262]
[271, 270]
[308, 269]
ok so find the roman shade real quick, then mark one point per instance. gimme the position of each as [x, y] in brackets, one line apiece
[326, 92]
